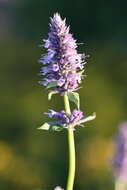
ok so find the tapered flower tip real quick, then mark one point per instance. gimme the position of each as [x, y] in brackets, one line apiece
[58, 24]
[58, 188]
[57, 17]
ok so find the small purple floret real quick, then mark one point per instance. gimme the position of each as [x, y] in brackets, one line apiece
[76, 116]
[62, 63]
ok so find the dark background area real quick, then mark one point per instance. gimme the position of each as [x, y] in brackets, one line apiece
[32, 159]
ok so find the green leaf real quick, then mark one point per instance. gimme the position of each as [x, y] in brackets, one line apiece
[89, 118]
[52, 84]
[74, 97]
[57, 128]
[53, 125]
[51, 93]
[45, 126]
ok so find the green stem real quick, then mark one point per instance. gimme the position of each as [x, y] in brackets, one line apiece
[71, 143]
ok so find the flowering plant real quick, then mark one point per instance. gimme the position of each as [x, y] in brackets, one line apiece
[62, 71]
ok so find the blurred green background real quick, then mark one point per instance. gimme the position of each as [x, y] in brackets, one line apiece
[32, 159]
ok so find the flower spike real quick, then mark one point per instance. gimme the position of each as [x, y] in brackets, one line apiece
[62, 68]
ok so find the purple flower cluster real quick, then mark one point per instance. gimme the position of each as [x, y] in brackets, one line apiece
[64, 119]
[120, 158]
[75, 117]
[62, 65]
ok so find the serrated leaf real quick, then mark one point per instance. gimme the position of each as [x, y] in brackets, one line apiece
[52, 84]
[45, 126]
[74, 97]
[51, 93]
[89, 118]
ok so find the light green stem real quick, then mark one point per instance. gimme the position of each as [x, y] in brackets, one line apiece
[71, 143]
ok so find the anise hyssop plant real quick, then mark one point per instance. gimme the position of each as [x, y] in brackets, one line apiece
[62, 72]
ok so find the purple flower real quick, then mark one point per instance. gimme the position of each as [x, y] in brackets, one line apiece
[62, 64]
[65, 120]
[61, 117]
[76, 116]
[120, 158]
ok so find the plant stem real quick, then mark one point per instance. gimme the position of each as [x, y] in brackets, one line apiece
[71, 143]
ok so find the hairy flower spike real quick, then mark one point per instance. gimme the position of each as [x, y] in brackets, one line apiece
[62, 65]
[120, 158]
